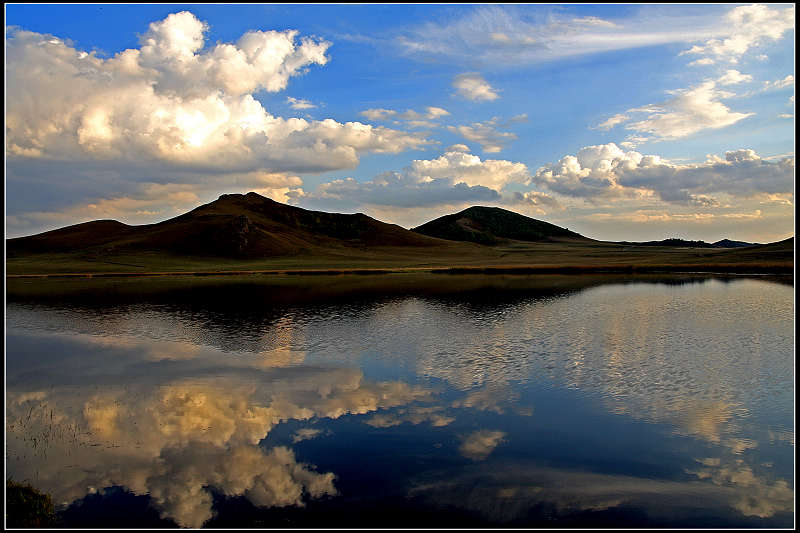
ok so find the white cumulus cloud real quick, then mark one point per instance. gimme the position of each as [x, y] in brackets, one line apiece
[168, 103]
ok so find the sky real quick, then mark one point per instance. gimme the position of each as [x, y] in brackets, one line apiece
[620, 122]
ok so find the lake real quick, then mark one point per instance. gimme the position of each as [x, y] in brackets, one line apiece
[458, 401]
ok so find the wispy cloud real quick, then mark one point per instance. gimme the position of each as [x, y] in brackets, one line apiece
[472, 86]
[507, 37]
[689, 111]
[784, 83]
[488, 133]
[743, 28]
[611, 122]
[299, 103]
[408, 118]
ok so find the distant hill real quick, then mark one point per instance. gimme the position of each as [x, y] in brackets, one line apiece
[491, 225]
[670, 242]
[727, 243]
[235, 225]
[724, 243]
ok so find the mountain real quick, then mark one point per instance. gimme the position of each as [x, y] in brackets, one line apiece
[491, 225]
[727, 243]
[235, 225]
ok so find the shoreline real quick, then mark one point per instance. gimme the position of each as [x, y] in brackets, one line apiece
[743, 269]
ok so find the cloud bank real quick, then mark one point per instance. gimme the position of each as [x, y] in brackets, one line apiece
[606, 171]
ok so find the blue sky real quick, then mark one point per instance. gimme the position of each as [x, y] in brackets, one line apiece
[622, 122]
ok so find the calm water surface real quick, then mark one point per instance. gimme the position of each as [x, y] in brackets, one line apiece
[618, 404]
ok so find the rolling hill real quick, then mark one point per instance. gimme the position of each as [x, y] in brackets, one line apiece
[492, 225]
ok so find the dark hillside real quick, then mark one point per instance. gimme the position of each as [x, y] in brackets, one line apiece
[491, 225]
[775, 251]
[727, 243]
[84, 235]
[234, 226]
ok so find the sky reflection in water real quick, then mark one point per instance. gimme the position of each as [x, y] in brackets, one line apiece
[644, 403]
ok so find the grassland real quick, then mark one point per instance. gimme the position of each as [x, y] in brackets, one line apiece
[565, 256]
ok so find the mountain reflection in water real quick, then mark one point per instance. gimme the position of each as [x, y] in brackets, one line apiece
[507, 403]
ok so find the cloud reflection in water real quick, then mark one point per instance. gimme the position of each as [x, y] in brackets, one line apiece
[165, 417]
